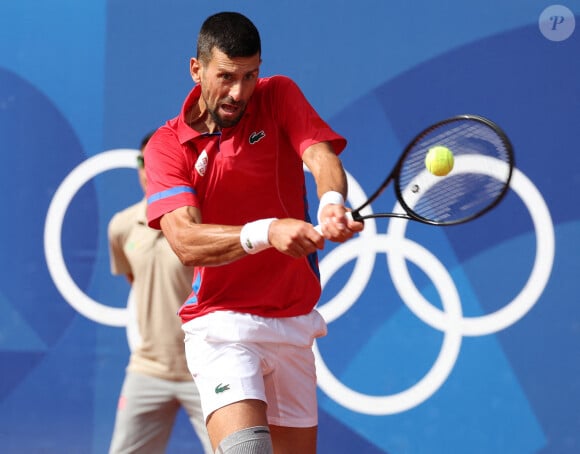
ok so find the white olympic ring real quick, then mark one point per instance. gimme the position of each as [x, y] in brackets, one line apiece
[449, 321]
[528, 296]
[398, 248]
[382, 405]
[88, 169]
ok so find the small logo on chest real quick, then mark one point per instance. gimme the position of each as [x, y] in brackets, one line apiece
[256, 137]
[201, 163]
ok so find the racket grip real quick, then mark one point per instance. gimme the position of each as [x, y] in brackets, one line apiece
[318, 227]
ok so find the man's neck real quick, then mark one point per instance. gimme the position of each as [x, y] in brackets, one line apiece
[199, 118]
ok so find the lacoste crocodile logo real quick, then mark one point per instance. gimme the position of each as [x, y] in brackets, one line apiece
[221, 388]
[256, 137]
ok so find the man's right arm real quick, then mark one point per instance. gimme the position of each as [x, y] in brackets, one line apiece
[198, 244]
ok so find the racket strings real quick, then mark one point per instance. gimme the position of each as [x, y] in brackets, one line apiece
[478, 179]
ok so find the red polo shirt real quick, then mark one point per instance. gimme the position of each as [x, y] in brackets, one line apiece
[251, 171]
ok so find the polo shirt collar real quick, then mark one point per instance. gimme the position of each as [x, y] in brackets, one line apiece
[185, 133]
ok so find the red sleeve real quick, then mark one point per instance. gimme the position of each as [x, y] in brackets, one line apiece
[300, 121]
[169, 184]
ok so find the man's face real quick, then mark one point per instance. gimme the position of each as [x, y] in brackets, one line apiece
[226, 85]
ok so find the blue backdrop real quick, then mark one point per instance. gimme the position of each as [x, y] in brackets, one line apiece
[462, 339]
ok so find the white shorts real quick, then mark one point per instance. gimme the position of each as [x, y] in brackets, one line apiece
[234, 356]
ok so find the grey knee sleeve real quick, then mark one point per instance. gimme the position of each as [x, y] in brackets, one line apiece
[253, 440]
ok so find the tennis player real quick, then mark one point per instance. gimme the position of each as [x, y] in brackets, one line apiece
[226, 185]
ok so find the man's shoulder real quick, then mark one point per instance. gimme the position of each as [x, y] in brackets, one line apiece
[276, 81]
[277, 89]
[165, 133]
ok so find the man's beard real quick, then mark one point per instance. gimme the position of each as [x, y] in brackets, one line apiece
[226, 123]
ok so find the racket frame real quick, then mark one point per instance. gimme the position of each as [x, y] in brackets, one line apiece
[395, 172]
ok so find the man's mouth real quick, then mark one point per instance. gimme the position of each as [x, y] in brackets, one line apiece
[230, 109]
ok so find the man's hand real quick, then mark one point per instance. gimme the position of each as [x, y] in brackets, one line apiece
[294, 238]
[336, 226]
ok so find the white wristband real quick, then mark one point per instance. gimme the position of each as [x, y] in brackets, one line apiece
[254, 235]
[330, 197]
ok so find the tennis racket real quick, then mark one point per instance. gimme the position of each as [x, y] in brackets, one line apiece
[483, 162]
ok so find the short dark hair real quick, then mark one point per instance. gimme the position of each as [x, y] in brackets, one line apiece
[232, 33]
[145, 139]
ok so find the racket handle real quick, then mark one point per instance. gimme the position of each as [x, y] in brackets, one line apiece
[348, 215]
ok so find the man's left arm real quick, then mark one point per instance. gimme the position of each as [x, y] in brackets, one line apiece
[330, 177]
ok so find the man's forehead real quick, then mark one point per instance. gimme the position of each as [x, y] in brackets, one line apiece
[219, 60]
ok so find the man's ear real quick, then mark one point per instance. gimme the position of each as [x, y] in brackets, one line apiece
[195, 70]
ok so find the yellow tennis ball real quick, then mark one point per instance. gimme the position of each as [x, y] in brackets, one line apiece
[439, 160]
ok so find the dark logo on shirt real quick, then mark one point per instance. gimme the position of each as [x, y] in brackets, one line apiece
[221, 388]
[256, 137]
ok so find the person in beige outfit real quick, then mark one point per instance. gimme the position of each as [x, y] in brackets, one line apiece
[157, 381]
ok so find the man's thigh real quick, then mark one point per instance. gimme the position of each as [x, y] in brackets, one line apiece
[234, 417]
